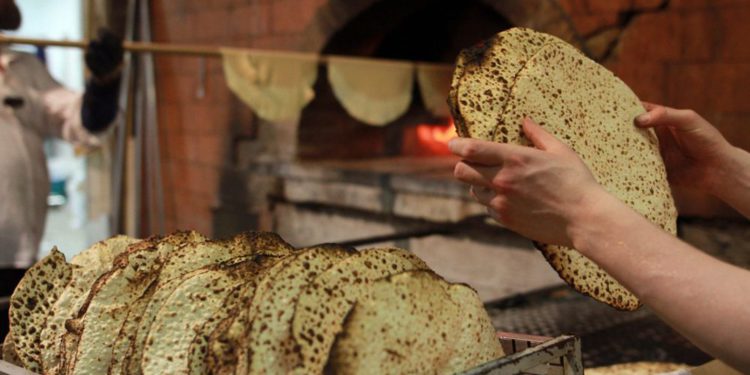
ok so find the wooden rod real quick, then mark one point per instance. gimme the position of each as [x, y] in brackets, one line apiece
[179, 49]
[185, 49]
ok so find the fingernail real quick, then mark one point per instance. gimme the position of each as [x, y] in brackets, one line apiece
[643, 119]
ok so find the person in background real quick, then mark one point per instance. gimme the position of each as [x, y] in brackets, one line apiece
[547, 194]
[34, 107]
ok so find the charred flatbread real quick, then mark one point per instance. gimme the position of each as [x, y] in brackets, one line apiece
[637, 368]
[198, 298]
[583, 105]
[405, 324]
[88, 341]
[31, 304]
[476, 341]
[266, 347]
[175, 243]
[315, 324]
[86, 266]
[189, 258]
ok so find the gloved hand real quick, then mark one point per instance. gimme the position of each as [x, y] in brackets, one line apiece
[104, 59]
[104, 56]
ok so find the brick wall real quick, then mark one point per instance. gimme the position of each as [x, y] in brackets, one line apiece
[199, 134]
[685, 53]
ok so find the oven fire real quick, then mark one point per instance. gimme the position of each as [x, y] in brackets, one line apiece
[428, 139]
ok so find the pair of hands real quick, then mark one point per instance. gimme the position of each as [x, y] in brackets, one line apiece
[545, 192]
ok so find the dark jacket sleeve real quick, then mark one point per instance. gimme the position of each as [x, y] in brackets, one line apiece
[99, 105]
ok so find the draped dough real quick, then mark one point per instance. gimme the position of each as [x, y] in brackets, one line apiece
[434, 83]
[375, 92]
[276, 85]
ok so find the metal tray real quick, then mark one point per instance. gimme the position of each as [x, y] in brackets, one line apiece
[537, 355]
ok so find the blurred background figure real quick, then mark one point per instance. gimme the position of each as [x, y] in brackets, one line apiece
[36, 107]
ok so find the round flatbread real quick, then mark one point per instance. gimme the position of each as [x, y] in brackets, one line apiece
[521, 73]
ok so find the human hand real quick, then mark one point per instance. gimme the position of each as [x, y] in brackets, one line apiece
[694, 151]
[543, 192]
[104, 56]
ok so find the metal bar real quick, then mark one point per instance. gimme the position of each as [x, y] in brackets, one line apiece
[417, 233]
[542, 354]
[153, 157]
[397, 236]
[7, 368]
[118, 167]
[138, 139]
[572, 362]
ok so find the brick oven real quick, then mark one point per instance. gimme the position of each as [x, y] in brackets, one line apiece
[326, 177]
[345, 180]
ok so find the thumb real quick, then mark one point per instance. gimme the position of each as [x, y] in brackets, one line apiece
[539, 137]
[659, 115]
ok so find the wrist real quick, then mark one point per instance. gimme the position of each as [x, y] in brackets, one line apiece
[732, 175]
[594, 218]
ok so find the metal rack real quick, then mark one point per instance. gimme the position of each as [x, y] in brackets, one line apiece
[537, 355]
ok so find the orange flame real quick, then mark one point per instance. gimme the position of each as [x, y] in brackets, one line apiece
[434, 137]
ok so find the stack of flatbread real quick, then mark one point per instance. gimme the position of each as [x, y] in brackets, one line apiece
[252, 304]
[519, 73]
[641, 368]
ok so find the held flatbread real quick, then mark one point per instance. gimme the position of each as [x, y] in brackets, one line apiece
[585, 106]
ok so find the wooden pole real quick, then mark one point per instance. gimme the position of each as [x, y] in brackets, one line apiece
[185, 49]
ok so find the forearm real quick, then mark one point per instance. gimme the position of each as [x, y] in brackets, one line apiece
[702, 298]
[731, 182]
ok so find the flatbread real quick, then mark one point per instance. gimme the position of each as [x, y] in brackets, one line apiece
[497, 60]
[228, 327]
[90, 333]
[9, 351]
[199, 354]
[476, 342]
[585, 106]
[405, 324]
[266, 347]
[198, 298]
[31, 303]
[187, 259]
[87, 266]
[315, 324]
[637, 368]
[175, 244]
